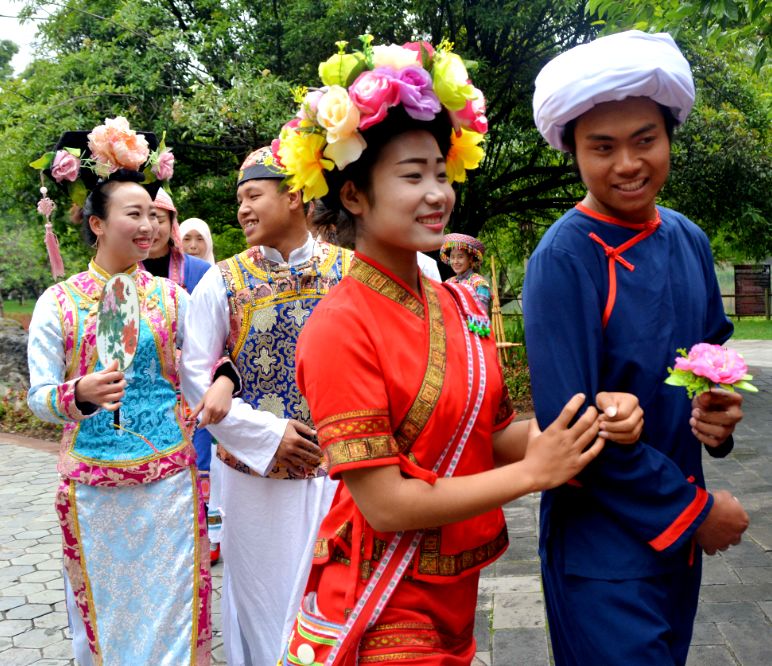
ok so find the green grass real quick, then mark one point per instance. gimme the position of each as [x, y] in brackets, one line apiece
[14, 307]
[752, 328]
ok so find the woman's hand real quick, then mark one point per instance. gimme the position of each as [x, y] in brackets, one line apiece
[105, 388]
[715, 415]
[558, 454]
[216, 403]
[621, 417]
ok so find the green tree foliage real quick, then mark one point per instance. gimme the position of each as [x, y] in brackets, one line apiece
[8, 50]
[725, 24]
[721, 170]
[217, 76]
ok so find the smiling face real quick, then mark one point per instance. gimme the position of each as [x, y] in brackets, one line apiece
[126, 235]
[160, 247]
[460, 261]
[408, 203]
[623, 154]
[263, 211]
[193, 243]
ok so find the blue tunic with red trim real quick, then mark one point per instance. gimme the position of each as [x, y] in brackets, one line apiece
[598, 319]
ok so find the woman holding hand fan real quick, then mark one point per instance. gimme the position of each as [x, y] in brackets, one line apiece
[129, 501]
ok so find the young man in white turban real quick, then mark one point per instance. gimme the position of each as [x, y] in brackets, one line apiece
[614, 288]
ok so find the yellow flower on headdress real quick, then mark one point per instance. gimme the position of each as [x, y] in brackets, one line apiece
[464, 153]
[451, 80]
[301, 154]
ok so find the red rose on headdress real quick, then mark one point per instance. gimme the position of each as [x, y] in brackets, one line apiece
[275, 145]
[373, 93]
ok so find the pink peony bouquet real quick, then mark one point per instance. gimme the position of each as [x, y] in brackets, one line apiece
[706, 366]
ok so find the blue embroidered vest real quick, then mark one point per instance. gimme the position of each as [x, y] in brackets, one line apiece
[269, 302]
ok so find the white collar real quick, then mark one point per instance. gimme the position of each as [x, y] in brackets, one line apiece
[296, 256]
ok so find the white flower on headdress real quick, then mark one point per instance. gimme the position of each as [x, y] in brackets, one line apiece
[345, 151]
[393, 56]
[336, 113]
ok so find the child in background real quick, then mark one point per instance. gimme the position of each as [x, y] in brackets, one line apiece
[464, 254]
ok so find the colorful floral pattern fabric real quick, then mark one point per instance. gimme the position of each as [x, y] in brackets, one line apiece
[478, 284]
[62, 348]
[269, 304]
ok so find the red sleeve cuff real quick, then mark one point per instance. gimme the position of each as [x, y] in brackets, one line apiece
[676, 529]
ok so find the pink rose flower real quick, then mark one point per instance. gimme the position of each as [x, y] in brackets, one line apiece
[65, 167]
[416, 46]
[714, 362]
[307, 110]
[164, 168]
[472, 116]
[116, 145]
[275, 145]
[373, 92]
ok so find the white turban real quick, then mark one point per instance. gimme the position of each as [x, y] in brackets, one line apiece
[627, 64]
[194, 224]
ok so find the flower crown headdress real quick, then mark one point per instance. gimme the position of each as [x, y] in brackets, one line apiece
[82, 159]
[359, 88]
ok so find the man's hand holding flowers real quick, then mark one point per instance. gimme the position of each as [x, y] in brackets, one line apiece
[710, 374]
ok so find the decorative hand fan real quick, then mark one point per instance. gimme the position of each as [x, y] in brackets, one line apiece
[117, 328]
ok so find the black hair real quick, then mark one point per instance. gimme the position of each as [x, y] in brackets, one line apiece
[323, 224]
[97, 200]
[569, 131]
[396, 122]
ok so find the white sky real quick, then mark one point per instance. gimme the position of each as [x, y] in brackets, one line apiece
[22, 35]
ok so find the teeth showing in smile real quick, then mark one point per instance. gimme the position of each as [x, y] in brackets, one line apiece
[631, 187]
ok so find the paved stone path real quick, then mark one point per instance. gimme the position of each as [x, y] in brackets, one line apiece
[734, 621]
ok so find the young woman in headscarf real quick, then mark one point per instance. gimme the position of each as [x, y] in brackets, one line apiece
[197, 239]
[167, 258]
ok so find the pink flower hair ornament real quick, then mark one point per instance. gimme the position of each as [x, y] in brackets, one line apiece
[708, 366]
[358, 90]
[81, 159]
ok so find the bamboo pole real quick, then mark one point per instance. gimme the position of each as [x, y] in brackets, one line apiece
[497, 319]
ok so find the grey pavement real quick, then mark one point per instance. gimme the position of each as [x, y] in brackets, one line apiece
[734, 620]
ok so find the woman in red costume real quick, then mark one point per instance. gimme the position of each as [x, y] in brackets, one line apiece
[401, 376]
